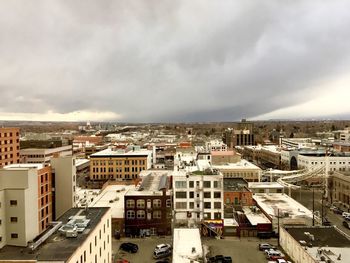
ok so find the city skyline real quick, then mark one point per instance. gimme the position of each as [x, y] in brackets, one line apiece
[158, 62]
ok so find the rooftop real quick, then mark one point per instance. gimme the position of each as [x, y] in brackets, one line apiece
[116, 152]
[235, 184]
[255, 216]
[264, 185]
[57, 247]
[187, 245]
[274, 203]
[24, 166]
[242, 164]
[222, 153]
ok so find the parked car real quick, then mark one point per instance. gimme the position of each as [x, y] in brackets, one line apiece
[163, 261]
[338, 211]
[345, 214]
[162, 247]
[161, 253]
[129, 247]
[346, 224]
[264, 246]
[121, 260]
[220, 259]
[326, 222]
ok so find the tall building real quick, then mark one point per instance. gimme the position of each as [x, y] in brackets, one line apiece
[241, 135]
[9, 146]
[119, 164]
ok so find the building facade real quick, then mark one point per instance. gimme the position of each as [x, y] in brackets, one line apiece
[119, 164]
[9, 146]
[43, 156]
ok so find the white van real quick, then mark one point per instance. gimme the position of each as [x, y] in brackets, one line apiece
[345, 214]
[161, 254]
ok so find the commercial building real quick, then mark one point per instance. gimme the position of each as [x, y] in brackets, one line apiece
[237, 193]
[315, 244]
[223, 157]
[148, 207]
[242, 169]
[119, 164]
[341, 146]
[266, 187]
[43, 156]
[43, 140]
[340, 188]
[187, 246]
[80, 235]
[9, 146]
[197, 196]
[215, 145]
[282, 209]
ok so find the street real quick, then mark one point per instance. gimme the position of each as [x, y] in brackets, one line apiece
[304, 197]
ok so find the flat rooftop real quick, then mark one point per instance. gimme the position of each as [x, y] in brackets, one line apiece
[273, 202]
[235, 184]
[112, 196]
[242, 164]
[24, 166]
[265, 185]
[57, 247]
[79, 162]
[152, 182]
[110, 152]
[187, 245]
[255, 217]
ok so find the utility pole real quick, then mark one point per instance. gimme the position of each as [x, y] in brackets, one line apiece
[313, 207]
[278, 225]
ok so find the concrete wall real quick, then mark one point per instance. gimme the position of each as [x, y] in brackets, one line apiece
[64, 171]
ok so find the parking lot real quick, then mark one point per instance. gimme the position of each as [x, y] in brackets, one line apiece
[242, 250]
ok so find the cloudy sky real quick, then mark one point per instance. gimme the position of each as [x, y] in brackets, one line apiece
[152, 61]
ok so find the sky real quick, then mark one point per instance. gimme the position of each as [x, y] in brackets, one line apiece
[174, 61]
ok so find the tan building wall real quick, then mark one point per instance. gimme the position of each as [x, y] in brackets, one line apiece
[19, 206]
[9, 146]
[44, 197]
[64, 172]
[341, 188]
[98, 246]
[117, 167]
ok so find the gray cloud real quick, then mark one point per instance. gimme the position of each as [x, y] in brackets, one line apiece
[169, 60]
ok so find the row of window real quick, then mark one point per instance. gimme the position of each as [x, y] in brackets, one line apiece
[7, 149]
[141, 203]
[8, 141]
[191, 195]
[191, 205]
[7, 134]
[141, 214]
[119, 162]
[206, 184]
[112, 176]
[111, 170]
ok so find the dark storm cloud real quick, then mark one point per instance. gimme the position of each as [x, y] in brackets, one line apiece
[169, 60]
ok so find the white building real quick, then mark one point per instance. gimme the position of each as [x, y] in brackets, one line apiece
[80, 235]
[313, 161]
[197, 196]
[216, 145]
[266, 187]
[19, 206]
[187, 246]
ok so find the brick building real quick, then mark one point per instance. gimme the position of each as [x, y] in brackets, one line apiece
[9, 146]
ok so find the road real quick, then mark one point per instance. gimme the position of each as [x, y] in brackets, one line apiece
[305, 197]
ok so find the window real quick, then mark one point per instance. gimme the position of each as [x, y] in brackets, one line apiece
[191, 194]
[181, 205]
[130, 203]
[207, 205]
[130, 214]
[191, 183]
[217, 184]
[206, 184]
[13, 202]
[217, 205]
[180, 184]
[141, 214]
[157, 203]
[191, 205]
[180, 194]
[14, 219]
[14, 235]
[168, 203]
[140, 203]
[217, 195]
[157, 214]
[207, 195]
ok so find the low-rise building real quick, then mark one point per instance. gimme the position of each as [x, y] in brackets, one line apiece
[237, 193]
[79, 235]
[340, 190]
[43, 156]
[266, 187]
[148, 207]
[315, 244]
[282, 209]
[242, 169]
[187, 245]
[223, 157]
[119, 164]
